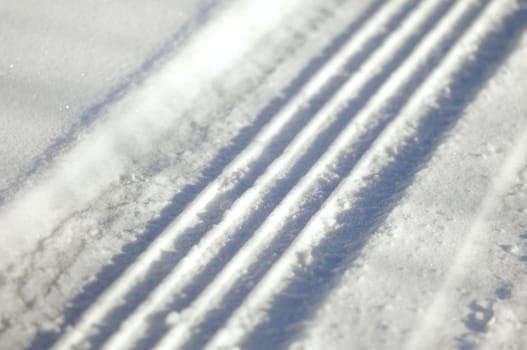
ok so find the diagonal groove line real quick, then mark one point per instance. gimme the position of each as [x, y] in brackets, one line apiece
[204, 253]
[465, 17]
[81, 303]
[137, 270]
[467, 20]
[266, 191]
[211, 224]
[291, 290]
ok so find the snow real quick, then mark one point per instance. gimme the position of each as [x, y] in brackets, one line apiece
[300, 174]
[128, 129]
[439, 260]
[63, 62]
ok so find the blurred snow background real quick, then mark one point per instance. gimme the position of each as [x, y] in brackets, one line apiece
[62, 61]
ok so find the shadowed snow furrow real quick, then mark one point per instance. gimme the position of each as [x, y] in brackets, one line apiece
[335, 163]
[404, 145]
[261, 199]
[233, 179]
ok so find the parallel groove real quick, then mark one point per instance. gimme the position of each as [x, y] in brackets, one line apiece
[250, 313]
[354, 134]
[250, 253]
[447, 25]
[214, 241]
[137, 271]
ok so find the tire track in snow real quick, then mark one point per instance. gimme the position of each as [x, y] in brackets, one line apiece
[354, 52]
[324, 241]
[344, 144]
[389, 56]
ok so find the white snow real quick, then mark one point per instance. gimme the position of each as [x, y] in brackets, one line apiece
[263, 174]
[129, 129]
[445, 248]
[61, 62]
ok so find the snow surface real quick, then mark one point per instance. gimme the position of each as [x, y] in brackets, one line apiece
[263, 174]
[63, 62]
